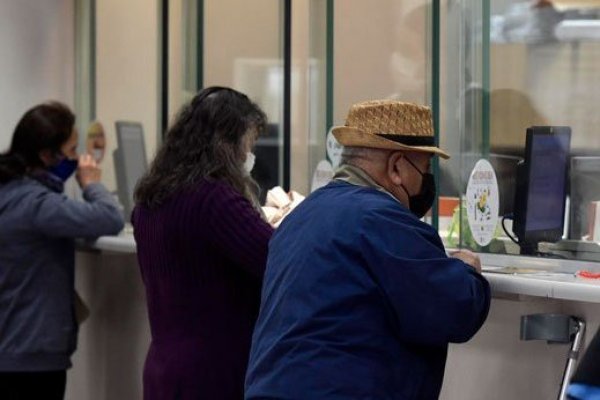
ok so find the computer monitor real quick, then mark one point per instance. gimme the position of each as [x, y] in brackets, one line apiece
[130, 162]
[584, 188]
[266, 171]
[542, 187]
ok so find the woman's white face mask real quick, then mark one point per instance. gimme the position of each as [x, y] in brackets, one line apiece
[249, 162]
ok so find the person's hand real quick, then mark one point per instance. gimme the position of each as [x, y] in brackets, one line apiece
[469, 258]
[87, 171]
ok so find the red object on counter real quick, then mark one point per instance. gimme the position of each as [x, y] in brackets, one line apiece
[588, 274]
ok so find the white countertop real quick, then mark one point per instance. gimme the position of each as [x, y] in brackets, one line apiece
[578, 30]
[550, 277]
[553, 278]
[123, 243]
[552, 286]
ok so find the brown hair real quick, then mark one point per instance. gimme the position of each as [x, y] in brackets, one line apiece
[44, 127]
[205, 142]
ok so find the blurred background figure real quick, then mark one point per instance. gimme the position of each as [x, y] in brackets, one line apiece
[96, 141]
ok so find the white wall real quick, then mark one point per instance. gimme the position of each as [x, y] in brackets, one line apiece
[36, 57]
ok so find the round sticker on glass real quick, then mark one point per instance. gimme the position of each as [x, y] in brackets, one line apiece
[482, 202]
[334, 150]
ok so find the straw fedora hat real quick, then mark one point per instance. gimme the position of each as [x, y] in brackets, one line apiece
[391, 125]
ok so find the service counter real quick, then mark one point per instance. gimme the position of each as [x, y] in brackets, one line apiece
[123, 243]
[113, 341]
[533, 276]
[541, 277]
[495, 364]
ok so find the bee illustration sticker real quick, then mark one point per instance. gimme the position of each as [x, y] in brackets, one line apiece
[482, 202]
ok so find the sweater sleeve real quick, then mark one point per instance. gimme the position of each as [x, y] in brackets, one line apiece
[237, 229]
[58, 216]
[436, 299]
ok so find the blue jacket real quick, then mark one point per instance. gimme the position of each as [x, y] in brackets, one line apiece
[359, 301]
[37, 230]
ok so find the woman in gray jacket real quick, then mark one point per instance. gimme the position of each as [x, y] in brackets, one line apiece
[38, 226]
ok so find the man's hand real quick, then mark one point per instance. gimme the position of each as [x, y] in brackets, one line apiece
[87, 171]
[469, 258]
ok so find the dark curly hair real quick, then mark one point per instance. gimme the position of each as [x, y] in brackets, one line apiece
[205, 142]
[46, 126]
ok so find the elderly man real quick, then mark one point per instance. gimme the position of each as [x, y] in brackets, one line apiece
[359, 298]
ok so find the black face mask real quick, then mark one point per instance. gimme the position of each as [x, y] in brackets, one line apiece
[420, 203]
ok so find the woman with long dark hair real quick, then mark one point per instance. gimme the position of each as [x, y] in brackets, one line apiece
[38, 225]
[202, 248]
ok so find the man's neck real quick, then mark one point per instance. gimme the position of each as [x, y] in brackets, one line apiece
[357, 175]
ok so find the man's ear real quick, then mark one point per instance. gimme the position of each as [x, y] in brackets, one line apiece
[393, 167]
[46, 156]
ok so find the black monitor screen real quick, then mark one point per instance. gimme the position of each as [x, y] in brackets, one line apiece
[130, 161]
[547, 184]
[542, 185]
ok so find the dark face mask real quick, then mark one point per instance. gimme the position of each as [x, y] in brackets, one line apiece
[420, 203]
[64, 169]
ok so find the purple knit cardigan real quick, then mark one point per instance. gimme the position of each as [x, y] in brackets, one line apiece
[202, 256]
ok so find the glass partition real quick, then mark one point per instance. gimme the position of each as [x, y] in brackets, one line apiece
[238, 44]
[380, 49]
[511, 65]
[337, 59]
[310, 88]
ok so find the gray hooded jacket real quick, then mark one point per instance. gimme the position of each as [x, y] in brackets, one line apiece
[38, 228]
